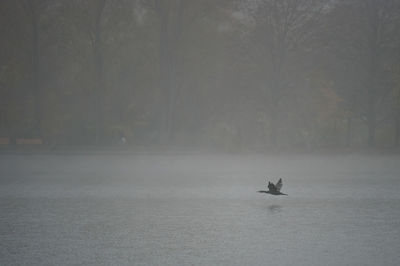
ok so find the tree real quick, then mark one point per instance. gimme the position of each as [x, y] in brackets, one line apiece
[369, 35]
[93, 21]
[284, 29]
[34, 9]
[170, 17]
[396, 104]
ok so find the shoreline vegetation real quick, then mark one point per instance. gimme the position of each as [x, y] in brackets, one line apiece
[235, 76]
[184, 150]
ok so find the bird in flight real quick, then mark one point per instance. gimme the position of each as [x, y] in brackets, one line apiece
[274, 189]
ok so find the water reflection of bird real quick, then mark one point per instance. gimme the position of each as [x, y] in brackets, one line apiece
[274, 189]
[275, 208]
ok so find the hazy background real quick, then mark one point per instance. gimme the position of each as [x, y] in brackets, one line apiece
[157, 121]
[232, 75]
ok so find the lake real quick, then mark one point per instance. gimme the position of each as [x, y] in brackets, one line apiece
[198, 209]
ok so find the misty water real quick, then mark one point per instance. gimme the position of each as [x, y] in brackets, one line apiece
[197, 209]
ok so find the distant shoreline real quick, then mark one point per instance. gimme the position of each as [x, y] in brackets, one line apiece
[148, 150]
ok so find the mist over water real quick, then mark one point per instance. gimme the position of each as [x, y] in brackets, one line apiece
[198, 209]
[139, 132]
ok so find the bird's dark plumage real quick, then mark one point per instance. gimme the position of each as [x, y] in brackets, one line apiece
[274, 189]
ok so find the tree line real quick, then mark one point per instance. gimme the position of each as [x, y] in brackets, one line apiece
[235, 75]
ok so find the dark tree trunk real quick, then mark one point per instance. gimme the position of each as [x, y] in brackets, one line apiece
[373, 47]
[31, 7]
[165, 76]
[349, 132]
[99, 91]
[371, 123]
[169, 35]
[397, 130]
[36, 84]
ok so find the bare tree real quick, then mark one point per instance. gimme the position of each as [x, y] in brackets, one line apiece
[98, 59]
[369, 35]
[34, 9]
[284, 28]
[170, 17]
[174, 17]
[92, 24]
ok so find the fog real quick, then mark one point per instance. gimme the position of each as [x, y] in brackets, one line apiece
[155, 132]
[202, 209]
[232, 76]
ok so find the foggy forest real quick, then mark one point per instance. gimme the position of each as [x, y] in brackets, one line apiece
[200, 132]
[230, 75]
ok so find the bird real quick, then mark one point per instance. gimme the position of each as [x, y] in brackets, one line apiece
[274, 189]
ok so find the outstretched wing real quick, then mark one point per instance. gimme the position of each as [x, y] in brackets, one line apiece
[278, 185]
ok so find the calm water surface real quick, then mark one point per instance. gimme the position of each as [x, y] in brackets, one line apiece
[198, 210]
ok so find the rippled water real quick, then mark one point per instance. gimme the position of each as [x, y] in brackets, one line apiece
[198, 210]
